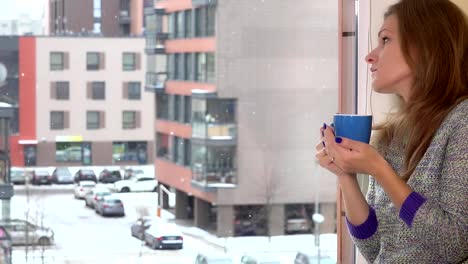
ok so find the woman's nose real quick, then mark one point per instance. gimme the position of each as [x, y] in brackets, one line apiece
[370, 58]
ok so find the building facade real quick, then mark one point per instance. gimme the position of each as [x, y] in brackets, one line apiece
[239, 88]
[109, 18]
[81, 102]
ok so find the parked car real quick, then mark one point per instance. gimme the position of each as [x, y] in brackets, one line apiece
[97, 193]
[138, 183]
[62, 175]
[164, 235]
[85, 175]
[25, 233]
[82, 188]
[110, 205]
[18, 175]
[298, 225]
[213, 259]
[128, 173]
[302, 258]
[139, 227]
[107, 176]
[41, 177]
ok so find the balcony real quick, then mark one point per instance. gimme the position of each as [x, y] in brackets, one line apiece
[124, 17]
[214, 121]
[155, 82]
[214, 179]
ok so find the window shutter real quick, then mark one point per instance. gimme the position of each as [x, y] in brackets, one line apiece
[102, 60]
[53, 90]
[66, 61]
[66, 119]
[102, 119]
[125, 90]
[137, 119]
[89, 90]
[137, 61]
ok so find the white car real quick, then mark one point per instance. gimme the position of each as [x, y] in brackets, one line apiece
[137, 183]
[82, 188]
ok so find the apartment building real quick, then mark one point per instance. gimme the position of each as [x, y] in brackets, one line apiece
[239, 89]
[80, 102]
[109, 18]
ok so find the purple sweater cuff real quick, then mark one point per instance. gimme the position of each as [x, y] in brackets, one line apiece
[366, 229]
[410, 206]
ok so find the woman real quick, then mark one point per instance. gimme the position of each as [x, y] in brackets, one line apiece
[416, 206]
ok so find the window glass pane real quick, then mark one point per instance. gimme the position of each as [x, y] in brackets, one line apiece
[99, 90]
[210, 67]
[211, 20]
[92, 60]
[188, 23]
[129, 119]
[171, 25]
[188, 66]
[56, 61]
[134, 90]
[56, 120]
[201, 67]
[92, 118]
[62, 90]
[180, 25]
[68, 151]
[129, 151]
[162, 106]
[128, 61]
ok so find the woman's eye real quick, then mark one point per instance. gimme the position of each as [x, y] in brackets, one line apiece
[385, 40]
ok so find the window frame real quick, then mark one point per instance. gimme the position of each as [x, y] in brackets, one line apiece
[129, 66]
[129, 124]
[93, 66]
[57, 125]
[93, 125]
[60, 66]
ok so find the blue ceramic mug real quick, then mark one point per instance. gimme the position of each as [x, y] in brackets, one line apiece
[355, 127]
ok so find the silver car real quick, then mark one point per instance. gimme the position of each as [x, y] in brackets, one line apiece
[25, 233]
[92, 197]
[110, 205]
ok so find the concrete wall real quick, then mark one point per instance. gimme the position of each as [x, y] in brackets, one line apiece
[280, 61]
[225, 221]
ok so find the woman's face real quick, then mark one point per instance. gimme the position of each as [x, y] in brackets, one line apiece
[390, 72]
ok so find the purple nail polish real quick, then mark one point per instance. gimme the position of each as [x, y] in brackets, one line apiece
[324, 126]
[338, 140]
[323, 143]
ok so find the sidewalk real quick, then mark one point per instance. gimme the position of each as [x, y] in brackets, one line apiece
[304, 243]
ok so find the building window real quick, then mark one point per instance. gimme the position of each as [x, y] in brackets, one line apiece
[93, 120]
[60, 90]
[162, 106]
[188, 23]
[187, 109]
[58, 61]
[94, 61]
[180, 31]
[200, 22]
[171, 25]
[210, 67]
[130, 119]
[171, 66]
[210, 20]
[57, 120]
[188, 66]
[177, 112]
[129, 61]
[129, 151]
[134, 91]
[162, 145]
[97, 90]
[187, 152]
[30, 155]
[201, 67]
[180, 67]
[69, 151]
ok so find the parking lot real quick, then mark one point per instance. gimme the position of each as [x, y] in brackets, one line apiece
[81, 233]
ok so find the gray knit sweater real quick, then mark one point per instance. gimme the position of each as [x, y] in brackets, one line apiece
[432, 226]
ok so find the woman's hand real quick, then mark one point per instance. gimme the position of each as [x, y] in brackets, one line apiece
[352, 156]
[325, 160]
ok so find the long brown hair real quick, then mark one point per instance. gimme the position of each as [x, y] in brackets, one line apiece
[436, 32]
